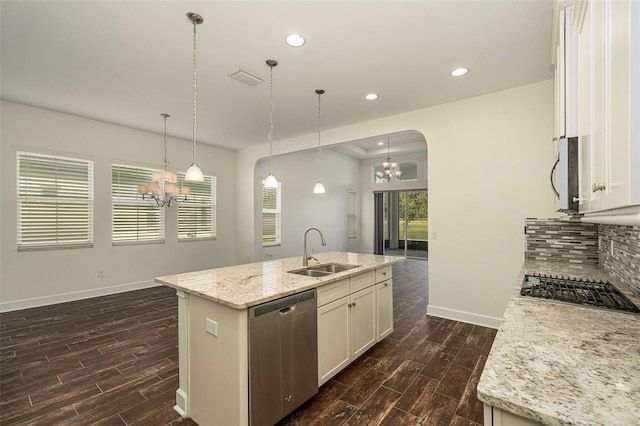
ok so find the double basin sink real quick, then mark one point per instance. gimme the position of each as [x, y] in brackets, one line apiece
[323, 270]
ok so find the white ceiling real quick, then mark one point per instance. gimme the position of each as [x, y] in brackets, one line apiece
[126, 62]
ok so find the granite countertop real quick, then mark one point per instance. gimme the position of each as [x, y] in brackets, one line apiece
[242, 286]
[565, 364]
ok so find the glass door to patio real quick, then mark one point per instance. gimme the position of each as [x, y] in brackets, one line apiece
[405, 223]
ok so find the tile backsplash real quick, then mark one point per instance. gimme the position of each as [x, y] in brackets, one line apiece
[559, 241]
[620, 253]
[615, 248]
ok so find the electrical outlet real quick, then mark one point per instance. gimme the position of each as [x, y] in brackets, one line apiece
[100, 273]
[211, 326]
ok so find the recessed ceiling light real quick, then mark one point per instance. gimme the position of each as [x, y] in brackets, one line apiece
[458, 72]
[380, 143]
[371, 97]
[295, 40]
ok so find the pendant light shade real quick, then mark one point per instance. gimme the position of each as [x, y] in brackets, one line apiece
[194, 174]
[271, 181]
[319, 187]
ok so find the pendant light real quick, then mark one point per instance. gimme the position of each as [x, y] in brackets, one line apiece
[319, 187]
[194, 174]
[271, 181]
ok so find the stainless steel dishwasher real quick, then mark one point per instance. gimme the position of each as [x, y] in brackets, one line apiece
[283, 356]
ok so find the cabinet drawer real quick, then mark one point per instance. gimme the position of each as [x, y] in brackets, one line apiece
[334, 291]
[383, 274]
[363, 280]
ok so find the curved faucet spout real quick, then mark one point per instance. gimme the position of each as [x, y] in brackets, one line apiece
[305, 256]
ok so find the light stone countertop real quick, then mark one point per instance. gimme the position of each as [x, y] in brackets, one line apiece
[250, 284]
[565, 364]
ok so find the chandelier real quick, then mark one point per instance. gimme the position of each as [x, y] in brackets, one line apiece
[389, 169]
[163, 188]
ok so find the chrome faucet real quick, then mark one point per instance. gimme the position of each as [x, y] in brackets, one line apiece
[305, 256]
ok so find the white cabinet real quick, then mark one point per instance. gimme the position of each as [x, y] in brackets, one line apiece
[333, 338]
[384, 309]
[565, 59]
[608, 74]
[363, 320]
[353, 315]
[494, 416]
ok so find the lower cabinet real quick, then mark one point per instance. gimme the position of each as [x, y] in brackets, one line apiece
[384, 302]
[353, 315]
[496, 417]
[333, 338]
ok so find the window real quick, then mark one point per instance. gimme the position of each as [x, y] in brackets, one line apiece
[134, 219]
[55, 202]
[352, 218]
[197, 214]
[271, 232]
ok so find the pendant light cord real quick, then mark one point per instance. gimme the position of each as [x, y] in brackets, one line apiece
[195, 90]
[166, 163]
[271, 118]
[319, 147]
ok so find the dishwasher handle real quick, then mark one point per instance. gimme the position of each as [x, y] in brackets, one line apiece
[286, 310]
[282, 304]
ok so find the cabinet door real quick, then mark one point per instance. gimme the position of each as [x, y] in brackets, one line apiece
[617, 14]
[333, 338]
[363, 321]
[384, 302]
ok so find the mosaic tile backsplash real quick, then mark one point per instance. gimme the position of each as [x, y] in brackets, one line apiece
[558, 241]
[620, 253]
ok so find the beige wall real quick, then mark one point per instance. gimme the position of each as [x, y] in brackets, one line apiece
[489, 160]
[49, 276]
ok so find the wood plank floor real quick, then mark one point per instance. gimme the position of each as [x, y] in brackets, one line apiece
[112, 360]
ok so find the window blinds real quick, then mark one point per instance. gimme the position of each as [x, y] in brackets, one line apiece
[271, 231]
[197, 214]
[55, 201]
[134, 219]
[352, 222]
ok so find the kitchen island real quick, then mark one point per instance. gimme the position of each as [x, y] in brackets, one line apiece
[557, 363]
[213, 322]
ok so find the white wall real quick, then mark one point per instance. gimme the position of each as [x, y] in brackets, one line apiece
[368, 187]
[301, 208]
[42, 277]
[489, 162]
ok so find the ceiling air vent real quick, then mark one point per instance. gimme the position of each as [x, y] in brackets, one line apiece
[246, 78]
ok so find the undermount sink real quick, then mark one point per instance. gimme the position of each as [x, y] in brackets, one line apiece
[323, 270]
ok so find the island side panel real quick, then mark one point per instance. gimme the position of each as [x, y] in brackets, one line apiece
[218, 366]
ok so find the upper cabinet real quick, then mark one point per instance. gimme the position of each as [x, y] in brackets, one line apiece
[565, 59]
[599, 77]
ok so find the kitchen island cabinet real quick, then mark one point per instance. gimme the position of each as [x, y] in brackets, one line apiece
[213, 323]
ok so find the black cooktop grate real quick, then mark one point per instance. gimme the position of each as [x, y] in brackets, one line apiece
[585, 292]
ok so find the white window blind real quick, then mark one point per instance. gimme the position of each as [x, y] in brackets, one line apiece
[134, 219]
[197, 214]
[352, 217]
[271, 230]
[55, 201]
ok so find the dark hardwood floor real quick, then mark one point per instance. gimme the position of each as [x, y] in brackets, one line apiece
[113, 360]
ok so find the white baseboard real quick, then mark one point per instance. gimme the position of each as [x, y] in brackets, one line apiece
[72, 296]
[463, 316]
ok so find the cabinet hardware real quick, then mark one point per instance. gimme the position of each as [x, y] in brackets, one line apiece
[598, 187]
[386, 284]
[288, 398]
[578, 199]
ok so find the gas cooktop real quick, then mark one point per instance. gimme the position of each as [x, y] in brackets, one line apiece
[584, 292]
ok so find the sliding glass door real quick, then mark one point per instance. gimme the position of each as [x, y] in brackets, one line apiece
[401, 223]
